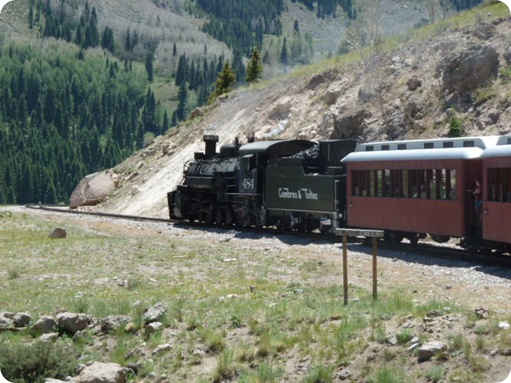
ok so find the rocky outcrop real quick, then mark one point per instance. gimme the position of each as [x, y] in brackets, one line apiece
[94, 188]
[470, 69]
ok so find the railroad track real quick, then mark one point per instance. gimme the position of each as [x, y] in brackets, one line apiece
[422, 248]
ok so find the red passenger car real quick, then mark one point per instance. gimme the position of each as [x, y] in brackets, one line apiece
[496, 207]
[414, 188]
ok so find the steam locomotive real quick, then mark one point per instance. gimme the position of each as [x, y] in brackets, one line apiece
[409, 189]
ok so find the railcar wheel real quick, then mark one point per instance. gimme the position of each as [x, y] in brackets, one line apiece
[414, 239]
[388, 237]
[229, 218]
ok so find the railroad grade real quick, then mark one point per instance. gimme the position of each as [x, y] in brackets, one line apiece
[425, 249]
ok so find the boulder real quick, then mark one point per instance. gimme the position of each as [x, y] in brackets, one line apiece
[72, 323]
[44, 325]
[113, 323]
[430, 349]
[94, 189]
[154, 313]
[471, 69]
[102, 373]
[22, 319]
[6, 319]
[351, 124]
[58, 233]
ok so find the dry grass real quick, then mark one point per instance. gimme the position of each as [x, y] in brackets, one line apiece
[237, 311]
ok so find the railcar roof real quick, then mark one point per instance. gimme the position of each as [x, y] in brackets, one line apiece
[415, 155]
[276, 148]
[436, 143]
[498, 151]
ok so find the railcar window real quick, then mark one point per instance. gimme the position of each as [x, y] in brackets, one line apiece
[428, 145]
[468, 144]
[448, 144]
[421, 184]
[499, 185]
[373, 182]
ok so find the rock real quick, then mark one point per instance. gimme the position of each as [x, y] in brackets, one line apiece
[44, 325]
[470, 69]
[58, 233]
[154, 313]
[351, 124]
[507, 55]
[113, 323]
[316, 81]
[130, 328]
[50, 337]
[481, 312]
[344, 374]
[280, 111]
[162, 348]
[102, 373]
[6, 319]
[414, 83]
[72, 323]
[331, 96]
[94, 189]
[484, 31]
[504, 325]
[430, 349]
[197, 112]
[152, 328]
[22, 319]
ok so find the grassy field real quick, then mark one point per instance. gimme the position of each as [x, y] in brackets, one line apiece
[235, 312]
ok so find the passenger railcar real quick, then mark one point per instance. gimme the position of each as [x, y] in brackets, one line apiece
[496, 200]
[414, 188]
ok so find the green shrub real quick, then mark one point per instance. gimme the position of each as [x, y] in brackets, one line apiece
[455, 127]
[34, 363]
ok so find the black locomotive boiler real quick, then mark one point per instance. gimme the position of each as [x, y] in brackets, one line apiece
[290, 184]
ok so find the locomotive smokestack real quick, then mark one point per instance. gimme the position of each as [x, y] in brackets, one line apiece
[210, 141]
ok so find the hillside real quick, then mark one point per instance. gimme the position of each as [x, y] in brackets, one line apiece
[404, 93]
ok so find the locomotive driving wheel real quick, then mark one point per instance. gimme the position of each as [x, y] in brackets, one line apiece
[219, 217]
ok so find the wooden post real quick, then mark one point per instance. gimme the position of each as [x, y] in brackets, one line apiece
[374, 234]
[345, 268]
[375, 268]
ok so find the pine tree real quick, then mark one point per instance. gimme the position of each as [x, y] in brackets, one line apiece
[149, 58]
[225, 80]
[182, 101]
[254, 67]
[283, 53]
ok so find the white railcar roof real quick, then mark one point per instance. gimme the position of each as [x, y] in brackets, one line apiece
[436, 143]
[415, 155]
[497, 151]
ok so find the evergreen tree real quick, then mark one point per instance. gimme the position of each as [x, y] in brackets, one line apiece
[182, 101]
[254, 67]
[283, 53]
[225, 80]
[149, 59]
